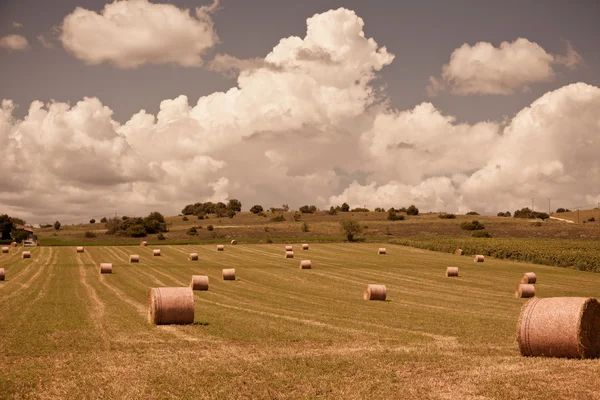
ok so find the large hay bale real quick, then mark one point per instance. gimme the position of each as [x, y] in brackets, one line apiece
[5, 249]
[80, 249]
[458, 252]
[524, 291]
[171, 305]
[560, 327]
[375, 292]
[382, 250]
[193, 257]
[26, 254]
[529, 277]
[106, 268]
[229, 274]
[220, 247]
[289, 248]
[199, 282]
[452, 271]
[156, 252]
[478, 258]
[144, 243]
[134, 258]
[305, 264]
[305, 246]
[234, 241]
[2, 274]
[289, 254]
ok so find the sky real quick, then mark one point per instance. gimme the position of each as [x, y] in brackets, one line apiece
[133, 106]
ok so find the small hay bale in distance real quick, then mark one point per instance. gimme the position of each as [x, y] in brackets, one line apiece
[524, 291]
[80, 249]
[458, 252]
[171, 305]
[234, 242]
[559, 327]
[220, 247]
[229, 274]
[26, 254]
[382, 250]
[134, 258]
[305, 264]
[529, 277]
[289, 248]
[193, 257]
[289, 254]
[199, 282]
[451, 271]
[143, 243]
[2, 274]
[106, 268]
[305, 246]
[5, 249]
[375, 292]
[478, 258]
[156, 252]
[13, 244]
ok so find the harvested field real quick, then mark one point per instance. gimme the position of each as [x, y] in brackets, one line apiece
[277, 331]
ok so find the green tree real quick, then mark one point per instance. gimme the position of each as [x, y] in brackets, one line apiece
[345, 207]
[235, 205]
[92, 221]
[351, 227]
[103, 220]
[6, 226]
[57, 225]
[256, 209]
[412, 210]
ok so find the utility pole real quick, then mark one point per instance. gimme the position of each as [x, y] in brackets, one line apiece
[549, 212]
[532, 204]
[577, 215]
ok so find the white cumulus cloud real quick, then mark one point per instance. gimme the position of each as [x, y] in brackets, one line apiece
[14, 43]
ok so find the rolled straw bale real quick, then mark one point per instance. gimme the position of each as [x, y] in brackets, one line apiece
[458, 252]
[199, 282]
[220, 247]
[529, 277]
[375, 292]
[234, 241]
[289, 254]
[382, 250]
[26, 254]
[229, 274]
[144, 244]
[560, 327]
[193, 257]
[106, 268]
[478, 258]
[156, 252]
[452, 271]
[80, 249]
[2, 274]
[305, 246]
[305, 264]
[5, 249]
[524, 291]
[171, 305]
[289, 248]
[13, 244]
[134, 258]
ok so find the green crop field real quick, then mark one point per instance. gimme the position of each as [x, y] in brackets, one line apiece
[278, 332]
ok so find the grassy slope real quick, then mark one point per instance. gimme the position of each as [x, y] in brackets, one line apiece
[278, 331]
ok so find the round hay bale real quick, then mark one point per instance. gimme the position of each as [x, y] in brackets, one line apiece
[171, 305]
[305, 246]
[305, 264]
[134, 258]
[458, 252]
[156, 252]
[382, 250]
[13, 244]
[193, 257]
[106, 268]
[529, 277]
[2, 274]
[289, 248]
[452, 271]
[199, 282]
[524, 291]
[229, 274]
[289, 254]
[478, 258]
[560, 327]
[143, 244]
[26, 254]
[5, 249]
[234, 241]
[220, 247]
[375, 292]
[80, 249]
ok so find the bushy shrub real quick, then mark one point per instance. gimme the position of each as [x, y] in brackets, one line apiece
[137, 230]
[57, 225]
[192, 231]
[90, 234]
[307, 209]
[268, 238]
[472, 226]
[592, 219]
[447, 216]
[351, 228]
[527, 213]
[210, 228]
[345, 207]
[92, 221]
[185, 218]
[504, 214]
[472, 213]
[392, 216]
[279, 218]
[332, 211]
[412, 210]
[160, 236]
[256, 209]
[103, 220]
[297, 216]
[481, 234]
[304, 227]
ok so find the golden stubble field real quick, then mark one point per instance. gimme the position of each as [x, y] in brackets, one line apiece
[278, 332]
